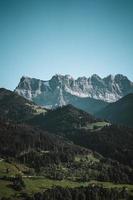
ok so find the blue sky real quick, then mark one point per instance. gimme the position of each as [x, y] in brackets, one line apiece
[40, 38]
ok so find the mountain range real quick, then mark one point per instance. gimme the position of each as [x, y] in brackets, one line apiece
[90, 94]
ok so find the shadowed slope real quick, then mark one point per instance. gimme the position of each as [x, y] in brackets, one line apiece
[120, 112]
[17, 108]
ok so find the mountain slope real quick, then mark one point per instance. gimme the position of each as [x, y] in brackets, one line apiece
[83, 129]
[19, 140]
[61, 90]
[87, 104]
[56, 158]
[120, 112]
[63, 118]
[15, 107]
[112, 141]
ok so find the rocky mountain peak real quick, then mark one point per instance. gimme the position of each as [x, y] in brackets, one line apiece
[120, 77]
[109, 78]
[61, 88]
[95, 76]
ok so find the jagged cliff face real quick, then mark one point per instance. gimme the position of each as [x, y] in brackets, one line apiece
[60, 89]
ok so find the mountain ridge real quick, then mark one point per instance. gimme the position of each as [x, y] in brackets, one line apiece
[62, 89]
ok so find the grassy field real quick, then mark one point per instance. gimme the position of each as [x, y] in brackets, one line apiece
[97, 125]
[37, 184]
[5, 190]
[8, 169]
[11, 169]
[86, 158]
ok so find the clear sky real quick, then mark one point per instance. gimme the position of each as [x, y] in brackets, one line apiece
[40, 38]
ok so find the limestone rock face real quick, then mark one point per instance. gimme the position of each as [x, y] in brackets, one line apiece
[61, 90]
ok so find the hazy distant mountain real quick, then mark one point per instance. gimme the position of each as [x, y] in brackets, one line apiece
[15, 107]
[61, 90]
[119, 112]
